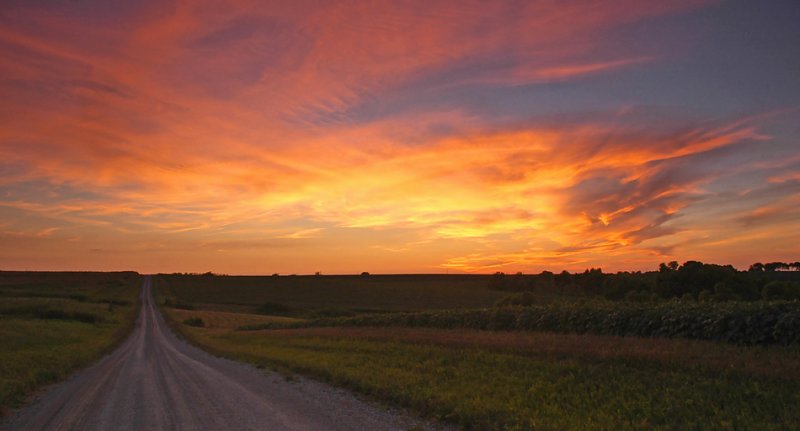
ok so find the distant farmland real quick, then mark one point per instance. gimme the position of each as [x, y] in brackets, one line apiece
[332, 293]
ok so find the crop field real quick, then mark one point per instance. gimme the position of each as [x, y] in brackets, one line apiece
[51, 324]
[746, 323]
[302, 295]
[483, 376]
[772, 362]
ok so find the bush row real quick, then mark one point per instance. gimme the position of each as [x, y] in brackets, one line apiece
[45, 312]
[194, 321]
[759, 323]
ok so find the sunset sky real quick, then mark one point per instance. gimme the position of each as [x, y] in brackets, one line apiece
[249, 137]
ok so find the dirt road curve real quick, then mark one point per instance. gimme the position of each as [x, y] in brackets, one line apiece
[155, 381]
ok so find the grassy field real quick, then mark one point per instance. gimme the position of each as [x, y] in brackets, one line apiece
[481, 379]
[51, 324]
[539, 384]
[224, 320]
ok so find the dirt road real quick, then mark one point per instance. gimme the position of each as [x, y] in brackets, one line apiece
[154, 381]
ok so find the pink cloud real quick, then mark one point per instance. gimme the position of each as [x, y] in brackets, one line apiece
[209, 123]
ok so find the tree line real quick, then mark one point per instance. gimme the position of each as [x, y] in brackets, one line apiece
[692, 280]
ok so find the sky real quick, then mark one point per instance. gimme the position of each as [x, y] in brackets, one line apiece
[259, 137]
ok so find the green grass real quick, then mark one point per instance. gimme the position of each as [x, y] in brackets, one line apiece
[331, 295]
[52, 324]
[479, 388]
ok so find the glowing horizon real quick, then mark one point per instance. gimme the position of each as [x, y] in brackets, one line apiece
[240, 138]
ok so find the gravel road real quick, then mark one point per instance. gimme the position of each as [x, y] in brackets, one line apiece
[155, 381]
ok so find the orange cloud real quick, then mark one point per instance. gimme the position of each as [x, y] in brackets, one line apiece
[233, 126]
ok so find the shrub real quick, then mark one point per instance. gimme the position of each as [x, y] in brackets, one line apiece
[781, 290]
[45, 312]
[194, 321]
[522, 299]
[272, 308]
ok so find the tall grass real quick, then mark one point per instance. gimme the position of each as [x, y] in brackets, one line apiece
[54, 323]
